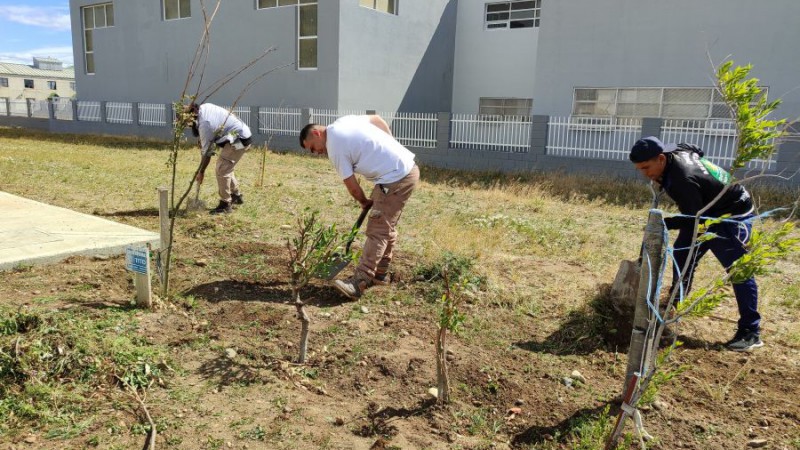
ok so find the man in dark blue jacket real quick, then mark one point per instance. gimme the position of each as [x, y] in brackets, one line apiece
[694, 184]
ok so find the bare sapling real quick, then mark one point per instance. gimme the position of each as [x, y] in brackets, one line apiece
[450, 319]
[311, 254]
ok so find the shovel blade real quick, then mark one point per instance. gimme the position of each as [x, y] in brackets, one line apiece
[337, 267]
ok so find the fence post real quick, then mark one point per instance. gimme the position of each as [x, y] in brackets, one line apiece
[103, 115]
[306, 116]
[651, 126]
[539, 133]
[74, 104]
[649, 273]
[442, 131]
[135, 113]
[8, 106]
[371, 112]
[170, 115]
[28, 106]
[51, 109]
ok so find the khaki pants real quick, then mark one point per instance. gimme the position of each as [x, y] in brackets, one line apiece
[226, 180]
[383, 218]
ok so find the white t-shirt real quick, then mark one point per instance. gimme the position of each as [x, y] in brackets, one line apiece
[355, 145]
[218, 125]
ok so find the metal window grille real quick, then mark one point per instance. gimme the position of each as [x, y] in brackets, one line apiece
[592, 137]
[496, 133]
[513, 14]
[307, 35]
[279, 121]
[328, 116]
[387, 6]
[717, 138]
[412, 129]
[119, 112]
[153, 114]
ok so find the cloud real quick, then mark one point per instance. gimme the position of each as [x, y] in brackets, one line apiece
[53, 18]
[64, 54]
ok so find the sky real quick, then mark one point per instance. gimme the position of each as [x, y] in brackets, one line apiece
[35, 28]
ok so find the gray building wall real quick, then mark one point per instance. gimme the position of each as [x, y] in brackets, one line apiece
[491, 63]
[644, 43]
[144, 58]
[400, 62]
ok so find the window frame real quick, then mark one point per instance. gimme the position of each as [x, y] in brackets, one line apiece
[52, 85]
[3, 81]
[393, 3]
[508, 22]
[90, 53]
[180, 13]
[306, 4]
[504, 106]
[25, 83]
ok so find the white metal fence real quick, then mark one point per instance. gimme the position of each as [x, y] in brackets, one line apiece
[280, 121]
[119, 112]
[18, 108]
[717, 138]
[242, 112]
[328, 116]
[39, 109]
[412, 129]
[62, 108]
[88, 111]
[592, 137]
[153, 114]
[498, 133]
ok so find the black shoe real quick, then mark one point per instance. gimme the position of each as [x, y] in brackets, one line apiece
[744, 340]
[237, 199]
[223, 208]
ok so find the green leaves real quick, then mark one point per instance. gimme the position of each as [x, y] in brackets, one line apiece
[315, 248]
[749, 108]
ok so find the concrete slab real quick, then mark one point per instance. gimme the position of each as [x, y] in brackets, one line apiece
[36, 233]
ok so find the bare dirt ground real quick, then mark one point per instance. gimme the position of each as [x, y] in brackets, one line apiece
[372, 362]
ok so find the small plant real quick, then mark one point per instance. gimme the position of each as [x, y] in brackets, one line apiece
[312, 252]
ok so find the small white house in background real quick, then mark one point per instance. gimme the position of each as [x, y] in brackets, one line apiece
[39, 81]
[609, 58]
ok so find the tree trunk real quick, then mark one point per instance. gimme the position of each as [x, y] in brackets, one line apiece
[304, 321]
[442, 377]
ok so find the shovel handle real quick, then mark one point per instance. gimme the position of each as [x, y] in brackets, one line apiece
[356, 227]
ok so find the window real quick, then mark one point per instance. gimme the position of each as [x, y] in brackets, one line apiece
[498, 106]
[28, 84]
[51, 85]
[94, 17]
[387, 6]
[177, 9]
[513, 14]
[680, 103]
[3, 82]
[263, 4]
[307, 35]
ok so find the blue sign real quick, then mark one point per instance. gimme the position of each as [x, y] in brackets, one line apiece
[136, 259]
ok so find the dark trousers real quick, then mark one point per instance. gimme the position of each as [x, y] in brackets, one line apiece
[728, 246]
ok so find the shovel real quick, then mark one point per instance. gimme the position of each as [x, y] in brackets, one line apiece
[340, 261]
[195, 204]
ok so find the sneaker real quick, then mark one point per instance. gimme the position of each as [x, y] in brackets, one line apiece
[744, 340]
[352, 287]
[237, 199]
[223, 208]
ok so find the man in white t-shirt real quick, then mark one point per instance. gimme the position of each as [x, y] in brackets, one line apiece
[220, 129]
[364, 145]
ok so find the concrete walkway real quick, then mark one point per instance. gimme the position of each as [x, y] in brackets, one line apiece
[37, 233]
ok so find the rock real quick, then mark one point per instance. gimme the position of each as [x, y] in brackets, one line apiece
[36, 292]
[325, 314]
[433, 392]
[364, 310]
[567, 381]
[748, 403]
[756, 443]
[101, 257]
[30, 440]
[577, 376]
[200, 262]
[286, 227]
[230, 353]
[403, 333]
[764, 422]
[515, 411]
[450, 356]
[338, 421]
[519, 402]
[660, 406]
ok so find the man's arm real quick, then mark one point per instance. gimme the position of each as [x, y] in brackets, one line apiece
[380, 123]
[356, 192]
[202, 172]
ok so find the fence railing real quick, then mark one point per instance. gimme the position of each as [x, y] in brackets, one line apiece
[39, 109]
[89, 111]
[280, 121]
[153, 114]
[62, 109]
[412, 129]
[242, 112]
[119, 112]
[328, 116]
[18, 108]
[592, 137]
[497, 133]
[717, 138]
